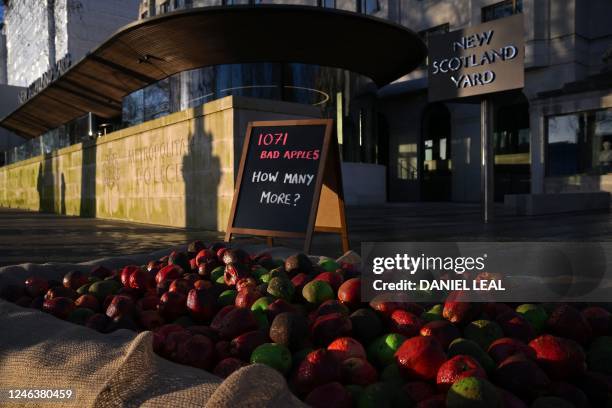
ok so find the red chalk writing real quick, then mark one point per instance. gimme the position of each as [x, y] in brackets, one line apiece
[272, 139]
[291, 154]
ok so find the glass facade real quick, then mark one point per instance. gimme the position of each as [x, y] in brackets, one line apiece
[502, 9]
[368, 6]
[339, 94]
[344, 96]
[511, 138]
[580, 143]
[86, 127]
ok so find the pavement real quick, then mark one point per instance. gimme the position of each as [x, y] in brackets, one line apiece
[39, 237]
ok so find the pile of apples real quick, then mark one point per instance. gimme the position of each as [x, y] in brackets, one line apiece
[219, 309]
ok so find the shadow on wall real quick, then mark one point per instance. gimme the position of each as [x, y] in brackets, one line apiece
[88, 180]
[63, 195]
[202, 174]
[45, 185]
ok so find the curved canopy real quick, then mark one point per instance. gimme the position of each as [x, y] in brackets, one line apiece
[149, 50]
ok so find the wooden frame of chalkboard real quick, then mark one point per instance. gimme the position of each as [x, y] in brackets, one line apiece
[325, 215]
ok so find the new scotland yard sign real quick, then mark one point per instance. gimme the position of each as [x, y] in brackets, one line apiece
[477, 60]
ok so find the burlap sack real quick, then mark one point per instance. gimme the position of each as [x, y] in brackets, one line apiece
[38, 351]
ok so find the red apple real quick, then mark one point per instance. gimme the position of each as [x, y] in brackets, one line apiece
[60, 291]
[125, 274]
[246, 297]
[405, 323]
[442, 330]
[459, 366]
[60, 307]
[148, 302]
[172, 305]
[521, 376]
[349, 293]
[141, 280]
[516, 326]
[169, 272]
[566, 321]
[120, 305]
[236, 322]
[234, 272]
[333, 278]
[329, 327]
[332, 395]
[243, 345]
[201, 304]
[420, 358]
[172, 343]
[36, 286]
[299, 281]
[560, 358]
[180, 285]
[205, 255]
[196, 351]
[346, 347]
[246, 283]
[419, 391]
[98, 322]
[318, 368]
[150, 319]
[74, 280]
[599, 319]
[222, 350]
[279, 306]
[358, 371]
[227, 366]
[505, 347]
[87, 301]
[458, 311]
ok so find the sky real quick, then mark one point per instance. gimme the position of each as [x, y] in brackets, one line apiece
[1, 12]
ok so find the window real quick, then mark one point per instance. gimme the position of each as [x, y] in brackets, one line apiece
[579, 143]
[327, 3]
[367, 6]
[425, 34]
[511, 133]
[228, 2]
[502, 9]
[176, 5]
[164, 7]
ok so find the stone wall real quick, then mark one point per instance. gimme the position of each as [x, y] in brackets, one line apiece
[177, 170]
[27, 41]
[2, 56]
[41, 32]
[93, 21]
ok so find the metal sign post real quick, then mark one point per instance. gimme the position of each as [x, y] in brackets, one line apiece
[487, 161]
[479, 60]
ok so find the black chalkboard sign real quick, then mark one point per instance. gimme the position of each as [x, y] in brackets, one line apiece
[281, 173]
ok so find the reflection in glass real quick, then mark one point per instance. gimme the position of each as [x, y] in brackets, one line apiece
[580, 143]
[502, 9]
[300, 83]
[157, 100]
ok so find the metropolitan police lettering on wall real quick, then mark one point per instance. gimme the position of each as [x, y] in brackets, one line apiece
[476, 60]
